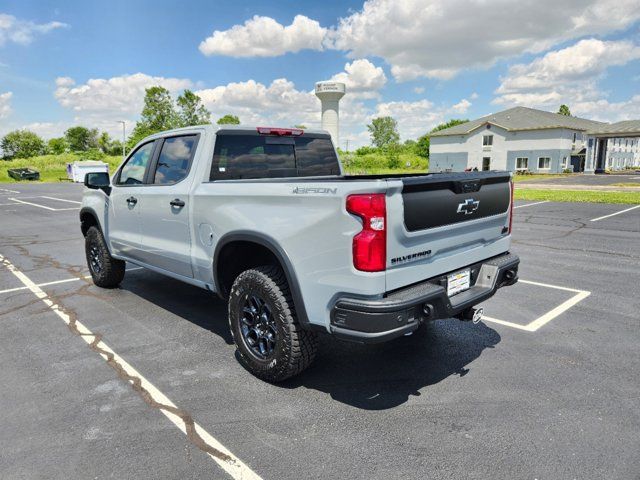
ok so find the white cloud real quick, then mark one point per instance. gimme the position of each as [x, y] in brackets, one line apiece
[418, 90]
[5, 104]
[582, 62]
[438, 38]
[570, 75]
[362, 78]
[23, 32]
[417, 118]
[265, 37]
[102, 102]
[256, 103]
[461, 107]
[607, 111]
[124, 94]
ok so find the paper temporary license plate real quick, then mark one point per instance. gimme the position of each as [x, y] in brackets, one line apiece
[458, 282]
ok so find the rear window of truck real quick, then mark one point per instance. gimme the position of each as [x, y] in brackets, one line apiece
[245, 156]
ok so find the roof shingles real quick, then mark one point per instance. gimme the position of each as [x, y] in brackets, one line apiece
[522, 118]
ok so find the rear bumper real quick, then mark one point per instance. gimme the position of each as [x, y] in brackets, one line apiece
[402, 311]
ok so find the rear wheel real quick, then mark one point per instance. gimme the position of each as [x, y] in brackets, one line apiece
[106, 271]
[270, 342]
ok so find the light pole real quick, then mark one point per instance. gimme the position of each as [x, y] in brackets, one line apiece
[123, 137]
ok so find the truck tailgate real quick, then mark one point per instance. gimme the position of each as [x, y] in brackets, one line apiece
[441, 222]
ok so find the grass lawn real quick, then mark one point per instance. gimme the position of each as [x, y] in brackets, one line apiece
[626, 184]
[51, 167]
[578, 196]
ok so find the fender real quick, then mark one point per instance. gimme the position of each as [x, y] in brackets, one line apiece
[271, 245]
[92, 212]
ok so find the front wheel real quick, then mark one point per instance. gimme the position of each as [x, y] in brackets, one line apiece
[270, 342]
[106, 271]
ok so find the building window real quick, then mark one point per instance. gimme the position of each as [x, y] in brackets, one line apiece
[544, 163]
[486, 163]
[522, 163]
[487, 140]
[575, 135]
[564, 162]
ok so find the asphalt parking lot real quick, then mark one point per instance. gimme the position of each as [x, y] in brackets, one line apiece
[547, 387]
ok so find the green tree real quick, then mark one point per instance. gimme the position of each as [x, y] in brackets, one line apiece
[228, 119]
[108, 145]
[22, 144]
[451, 123]
[564, 110]
[191, 111]
[158, 114]
[81, 139]
[115, 148]
[104, 142]
[57, 146]
[422, 147]
[392, 152]
[384, 131]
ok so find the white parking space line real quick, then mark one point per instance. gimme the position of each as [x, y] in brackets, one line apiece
[10, 204]
[42, 206]
[531, 204]
[56, 282]
[61, 199]
[149, 393]
[6, 191]
[551, 314]
[614, 214]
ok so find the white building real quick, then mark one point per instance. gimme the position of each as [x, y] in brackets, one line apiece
[520, 138]
[614, 146]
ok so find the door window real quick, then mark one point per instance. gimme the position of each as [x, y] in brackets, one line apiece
[132, 172]
[174, 159]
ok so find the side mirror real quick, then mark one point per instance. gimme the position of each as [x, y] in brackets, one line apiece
[98, 181]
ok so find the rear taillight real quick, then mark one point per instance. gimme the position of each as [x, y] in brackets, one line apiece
[511, 187]
[370, 245]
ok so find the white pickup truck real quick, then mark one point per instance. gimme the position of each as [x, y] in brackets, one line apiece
[266, 218]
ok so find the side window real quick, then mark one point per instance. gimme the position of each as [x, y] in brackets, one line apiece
[174, 159]
[132, 172]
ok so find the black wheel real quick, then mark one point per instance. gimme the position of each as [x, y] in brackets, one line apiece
[106, 271]
[269, 340]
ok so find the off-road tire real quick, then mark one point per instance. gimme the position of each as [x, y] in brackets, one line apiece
[295, 348]
[110, 272]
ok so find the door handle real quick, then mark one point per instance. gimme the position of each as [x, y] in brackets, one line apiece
[132, 200]
[177, 203]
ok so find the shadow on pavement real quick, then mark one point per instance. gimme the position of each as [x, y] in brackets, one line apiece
[371, 377]
[378, 377]
[191, 303]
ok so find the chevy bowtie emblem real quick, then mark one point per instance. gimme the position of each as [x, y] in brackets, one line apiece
[468, 206]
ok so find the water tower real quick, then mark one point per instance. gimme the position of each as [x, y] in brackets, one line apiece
[330, 94]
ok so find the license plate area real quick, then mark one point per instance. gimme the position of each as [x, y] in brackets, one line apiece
[458, 282]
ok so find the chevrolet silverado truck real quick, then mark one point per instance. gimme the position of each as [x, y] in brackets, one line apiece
[267, 219]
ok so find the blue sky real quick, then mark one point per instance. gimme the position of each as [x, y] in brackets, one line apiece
[423, 62]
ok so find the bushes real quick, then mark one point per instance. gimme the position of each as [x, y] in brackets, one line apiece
[51, 167]
[378, 161]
